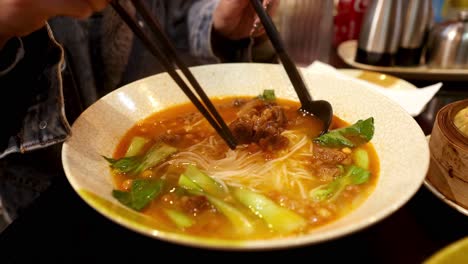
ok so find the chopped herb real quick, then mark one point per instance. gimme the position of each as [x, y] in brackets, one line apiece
[268, 95]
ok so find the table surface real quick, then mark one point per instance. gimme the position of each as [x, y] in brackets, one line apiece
[60, 226]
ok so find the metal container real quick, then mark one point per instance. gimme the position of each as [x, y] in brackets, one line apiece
[447, 46]
[417, 21]
[306, 27]
[380, 33]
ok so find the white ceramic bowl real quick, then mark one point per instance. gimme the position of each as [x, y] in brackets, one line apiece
[400, 144]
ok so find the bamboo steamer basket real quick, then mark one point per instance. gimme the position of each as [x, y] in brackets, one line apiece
[448, 169]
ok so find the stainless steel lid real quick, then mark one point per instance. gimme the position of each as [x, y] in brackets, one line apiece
[447, 46]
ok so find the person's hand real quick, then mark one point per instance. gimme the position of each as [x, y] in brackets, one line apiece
[21, 17]
[234, 19]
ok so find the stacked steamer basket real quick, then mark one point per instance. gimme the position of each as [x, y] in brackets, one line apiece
[448, 170]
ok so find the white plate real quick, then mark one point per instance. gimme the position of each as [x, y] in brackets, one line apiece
[347, 52]
[386, 81]
[399, 141]
[442, 197]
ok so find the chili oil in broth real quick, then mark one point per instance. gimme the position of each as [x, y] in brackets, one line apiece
[182, 126]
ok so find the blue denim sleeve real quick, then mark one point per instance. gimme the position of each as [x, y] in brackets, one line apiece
[32, 102]
[200, 21]
[10, 55]
[207, 45]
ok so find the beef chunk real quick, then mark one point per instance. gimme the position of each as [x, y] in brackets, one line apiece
[242, 129]
[170, 138]
[325, 161]
[262, 123]
[195, 204]
[331, 156]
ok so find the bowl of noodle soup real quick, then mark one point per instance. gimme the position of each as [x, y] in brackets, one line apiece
[145, 158]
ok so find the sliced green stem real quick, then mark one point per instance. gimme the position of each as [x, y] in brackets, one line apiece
[278, 218]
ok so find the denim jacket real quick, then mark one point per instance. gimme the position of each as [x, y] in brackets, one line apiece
[84, 60]
[67, 66]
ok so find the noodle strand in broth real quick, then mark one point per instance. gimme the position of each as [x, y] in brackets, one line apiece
[279, 171]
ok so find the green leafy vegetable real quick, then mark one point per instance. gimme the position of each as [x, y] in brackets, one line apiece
[238, 219]
[126, 164]
[203, 181]
[136, 145]
[352, 136]
[326, 191]
[278, 218]
[187, 184]
[353, 175]
[268, 95]
[157, 153]
[141, 193]
[137, 164]
[181, 220]
[358, 175]
[361, 158]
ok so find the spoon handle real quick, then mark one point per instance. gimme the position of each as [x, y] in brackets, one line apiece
[294, 75]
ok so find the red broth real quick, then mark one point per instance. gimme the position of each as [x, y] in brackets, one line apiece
[287, 182]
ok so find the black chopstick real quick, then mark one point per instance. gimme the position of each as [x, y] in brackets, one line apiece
[166, 54]
[294, 75]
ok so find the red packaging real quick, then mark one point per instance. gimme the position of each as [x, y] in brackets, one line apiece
[348, 19]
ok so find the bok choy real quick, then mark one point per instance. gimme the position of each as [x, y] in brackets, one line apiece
[361, 158]
[352, 175]
[277, 217]
[136, 164]
[239, 220]
[181, 220]
[141, 193]
[352, 136]
[136, 145]
[203, 181]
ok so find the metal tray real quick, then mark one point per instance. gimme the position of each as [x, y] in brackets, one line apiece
[347, 52]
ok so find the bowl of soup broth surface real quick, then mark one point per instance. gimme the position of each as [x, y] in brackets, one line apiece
[144, 157]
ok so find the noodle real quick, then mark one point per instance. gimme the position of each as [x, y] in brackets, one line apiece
[213, 189]
[284, 173]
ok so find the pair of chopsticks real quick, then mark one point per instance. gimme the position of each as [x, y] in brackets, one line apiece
[167, 56]
[290, 67]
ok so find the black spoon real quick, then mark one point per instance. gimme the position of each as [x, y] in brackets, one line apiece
[319, 108]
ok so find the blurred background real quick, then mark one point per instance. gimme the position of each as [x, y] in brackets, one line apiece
[314, 29]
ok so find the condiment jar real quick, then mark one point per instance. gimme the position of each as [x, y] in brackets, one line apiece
[447, 46]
